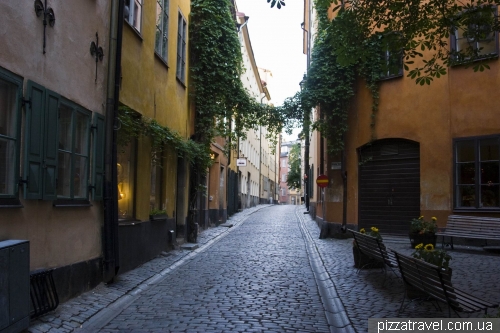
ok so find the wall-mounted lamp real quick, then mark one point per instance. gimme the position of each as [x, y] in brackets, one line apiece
[48, 17]
[97, 52]
[212, 156]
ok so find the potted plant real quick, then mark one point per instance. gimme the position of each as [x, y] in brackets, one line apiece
[362, 260]
[430, 254]
[158, 215]
[423, 231]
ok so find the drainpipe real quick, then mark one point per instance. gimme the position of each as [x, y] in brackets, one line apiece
[344, 199]
[110, 230]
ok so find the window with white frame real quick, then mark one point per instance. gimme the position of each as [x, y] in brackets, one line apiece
[161, 41]
[73, 152]
[133, 13]
[283, 177]
[477, 172]
[476, 38]
[181, 48]
[10, 115]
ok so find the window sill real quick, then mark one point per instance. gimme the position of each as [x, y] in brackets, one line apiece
[180, 82]
[476, 210]
[385, 78]
[163, 61]
[467, 63]
[138, 33]
[128, 222]
[10, 203]
[71, 203]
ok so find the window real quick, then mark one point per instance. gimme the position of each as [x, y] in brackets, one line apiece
[133, 13]
[283, 178]
[73, 152]
[10, 115]
[392, 64]
[283, 163]
[476, 39]
[283, 192]
[155, 196]
[57, 149]
[161, 43]
[477, 170]
[126, 180]
[181, 48]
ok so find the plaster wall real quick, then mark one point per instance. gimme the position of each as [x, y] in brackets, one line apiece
[150, 87]
[58, 236]
[460, 104]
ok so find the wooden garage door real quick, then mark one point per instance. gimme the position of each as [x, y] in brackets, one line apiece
[389, 185]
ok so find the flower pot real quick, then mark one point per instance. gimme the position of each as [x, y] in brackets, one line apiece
[418, 238]
[361, 260]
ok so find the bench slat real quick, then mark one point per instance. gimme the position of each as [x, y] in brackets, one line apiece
[436, 283]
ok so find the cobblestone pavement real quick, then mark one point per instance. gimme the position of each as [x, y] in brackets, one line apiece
[269, 273]
[365, 295]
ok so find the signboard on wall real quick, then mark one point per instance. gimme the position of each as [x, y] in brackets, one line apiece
[241, 162]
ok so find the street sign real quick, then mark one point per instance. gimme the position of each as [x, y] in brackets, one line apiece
[241, 162]
[322, 181]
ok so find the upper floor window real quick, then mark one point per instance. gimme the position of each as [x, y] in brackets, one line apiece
[10, 115]
[181, 48]
[392, 64]
[133, 13]
[477, 170]
[161, 42]
[476, 37]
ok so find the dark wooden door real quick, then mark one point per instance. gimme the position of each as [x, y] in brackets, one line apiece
[389, 185]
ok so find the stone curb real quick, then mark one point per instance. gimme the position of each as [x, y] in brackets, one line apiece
[335, 312]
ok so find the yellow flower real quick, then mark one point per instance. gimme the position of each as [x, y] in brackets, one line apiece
[429, 247]
[434, 219]
[421, 217]
[374, 229]
[362, 230]
[419, 246]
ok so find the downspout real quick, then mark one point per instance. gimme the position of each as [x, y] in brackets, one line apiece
[343, 170]
[110, 230]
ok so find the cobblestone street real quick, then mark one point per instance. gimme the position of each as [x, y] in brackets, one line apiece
[270, 272]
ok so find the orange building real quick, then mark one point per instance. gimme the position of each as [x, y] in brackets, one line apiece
[436, 152]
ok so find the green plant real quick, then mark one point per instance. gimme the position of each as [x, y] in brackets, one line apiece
[155, 212]
[421, 226]
[429, 254]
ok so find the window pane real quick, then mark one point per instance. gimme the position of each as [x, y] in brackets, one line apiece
[465, 151]
[7, 167]
[466, 196]
[159, 27]
[125, 175]
[127, 11]
[490, 196]
[82, 133]
[80, 180]
[489, 149]
[165, 33]
[137, 14]
[65, 128]
[466, 173]
[64, 175]
[489, 173]
[8, 108]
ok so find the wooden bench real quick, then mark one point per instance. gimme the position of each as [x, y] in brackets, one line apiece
[436, 284]
[486, 228]
[375, 249]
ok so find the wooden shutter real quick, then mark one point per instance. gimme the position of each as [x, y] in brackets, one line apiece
[49, 171]
[98, 157]
[33, 141]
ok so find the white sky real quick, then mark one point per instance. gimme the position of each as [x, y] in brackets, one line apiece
[276, 37]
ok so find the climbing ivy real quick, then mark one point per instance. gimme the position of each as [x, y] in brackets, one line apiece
[133, 125]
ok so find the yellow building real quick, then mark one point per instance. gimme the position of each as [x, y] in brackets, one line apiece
[154, 85]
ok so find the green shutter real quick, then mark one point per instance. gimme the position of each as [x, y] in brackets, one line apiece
[98, 157]
[49, 171]
[33, 141]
